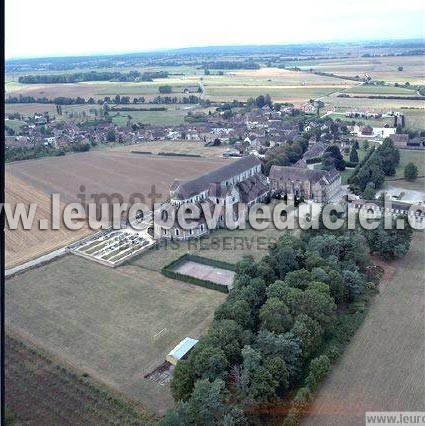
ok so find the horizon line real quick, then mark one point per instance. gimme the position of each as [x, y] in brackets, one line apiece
[207, 46]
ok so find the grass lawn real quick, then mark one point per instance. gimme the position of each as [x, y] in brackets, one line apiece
[416, 157]
[223, 244]
[104, 321]
[170, 117]
[414, 119]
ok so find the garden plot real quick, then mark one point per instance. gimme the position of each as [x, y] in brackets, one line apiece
[114, 247]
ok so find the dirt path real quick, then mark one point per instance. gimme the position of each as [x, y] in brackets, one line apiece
[383, 369]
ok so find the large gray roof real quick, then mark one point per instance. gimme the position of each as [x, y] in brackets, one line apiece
[187, 189]
[300, 174]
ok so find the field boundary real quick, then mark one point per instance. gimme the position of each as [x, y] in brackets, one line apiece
[167, 270]
[168, 154]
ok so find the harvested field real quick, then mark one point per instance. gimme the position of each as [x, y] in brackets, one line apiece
[23, 245]
[366, 104]
[390, 374]
[116, 325]
[110, 172]
[42, 390]
[100, 173]
[206, 272]
[379, 68]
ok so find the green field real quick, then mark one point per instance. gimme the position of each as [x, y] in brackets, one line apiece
[414, 119]
[106, 321]
[380, 90]
[170, 117]
[415, 156]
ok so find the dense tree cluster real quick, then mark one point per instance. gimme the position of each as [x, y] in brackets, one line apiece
[389, 243]
[286, 154]
[231, 65]
[78, 77]
[270, 335]
[40, 150]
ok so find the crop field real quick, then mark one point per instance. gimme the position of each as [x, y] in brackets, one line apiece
[42, 390]
[100, 172]
[171, 117]
[389, 375]
[368, 89]
[23, 245]
[116, 325]
[378, 105]
[379, 68]
[414, 118]
[374, 122]
[178, 147]
[281, 84]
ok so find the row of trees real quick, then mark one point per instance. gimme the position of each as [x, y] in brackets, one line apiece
[382, 162]
[78, 77]
[117, 99]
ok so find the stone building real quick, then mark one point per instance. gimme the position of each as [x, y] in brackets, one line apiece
[241, 181]
[317, 185]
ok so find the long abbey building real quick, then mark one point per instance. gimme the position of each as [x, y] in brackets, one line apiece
[241, 181]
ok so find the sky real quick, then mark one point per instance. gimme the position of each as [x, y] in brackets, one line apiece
[65, 28]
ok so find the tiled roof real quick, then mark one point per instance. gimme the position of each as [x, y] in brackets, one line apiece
[185, 190]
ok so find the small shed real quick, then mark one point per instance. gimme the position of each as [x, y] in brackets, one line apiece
[181, 350]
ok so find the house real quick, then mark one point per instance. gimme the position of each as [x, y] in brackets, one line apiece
[317, 185]
[315, 151]
[181, 350]
[400, 140]
[241, 181]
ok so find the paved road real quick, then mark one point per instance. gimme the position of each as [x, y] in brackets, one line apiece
[35, 262]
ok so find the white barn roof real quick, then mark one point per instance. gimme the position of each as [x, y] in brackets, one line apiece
[182, 348]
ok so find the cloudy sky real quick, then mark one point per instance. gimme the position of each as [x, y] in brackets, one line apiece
[60, 28]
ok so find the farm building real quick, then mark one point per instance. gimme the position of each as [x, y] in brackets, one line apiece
[181, 350]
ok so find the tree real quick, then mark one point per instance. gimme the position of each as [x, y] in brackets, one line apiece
[410, 171]
[319, 368]
[210, 363]
[110, 136]
[274, 316]
[165, 89]
[370, 192]
[183, 380]
[354, 156]
[333, 159]
[389, 243]
[400, 68]
[319, 306]
[309, 332]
